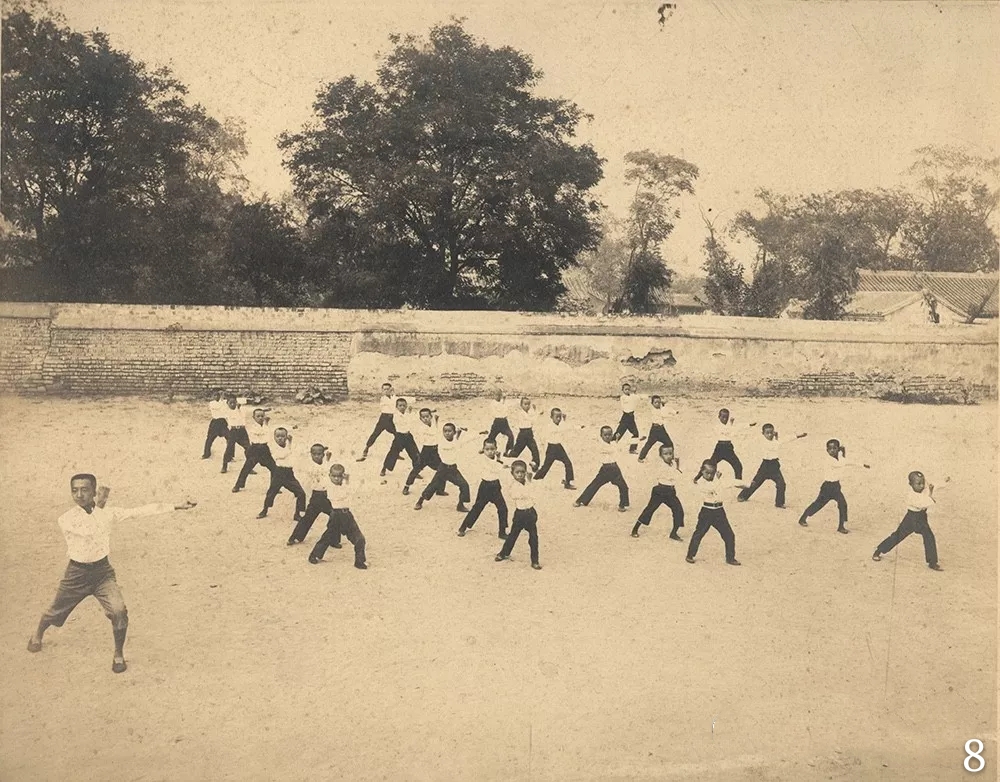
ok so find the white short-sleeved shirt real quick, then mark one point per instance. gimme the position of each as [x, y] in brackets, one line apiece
[282, 454]
[88, 535]
[427, 435]
[312, 476]
[524, 419]
[723, 431]
[521, 495]
[387, 404]
[235, 417]
[449, 450]
[667, 474]
[659, 415]
[551, 432]
[217, 408]
[499, 409]
[629, 402]
[404, 422]
[340, 497]
[834, 468]
[713, 491]
[259, 434]
[491, 469]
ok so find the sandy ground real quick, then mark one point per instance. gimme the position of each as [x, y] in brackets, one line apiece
[611, 663]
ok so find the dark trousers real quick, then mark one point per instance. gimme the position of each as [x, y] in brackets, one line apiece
[769, 470]
[913, 521]
[80, 581]
[257, 453]
[501, 426]
[447, 473]
[284, 478]
[488, 492]
[724, 453]
[318, 503]
[523, 520]
[428, 458]
[713, 517]
[401, 441]
[237, 434]
[663, 495]
[525, 439]
[216, 428]
[341, 522]
[609, 473]
[626, 424]
[554, 452]
[385, 424]
[828, 492]
[657, 435]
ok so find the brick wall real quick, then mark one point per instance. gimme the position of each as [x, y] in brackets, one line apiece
[111, 349]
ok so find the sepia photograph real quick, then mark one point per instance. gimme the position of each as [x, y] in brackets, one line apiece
[536, 391]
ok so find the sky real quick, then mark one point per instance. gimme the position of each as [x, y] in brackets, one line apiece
[802, 96]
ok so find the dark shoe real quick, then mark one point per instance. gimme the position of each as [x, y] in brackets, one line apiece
[876, 557]
[361, 566]
[675, 536]
[732, 562]
[843, 530]
[781, 506]
[236, 489]
[690, 559]
[292, 542]
[502, 535]
[406, 490]
[499, 558]
[622, 508]
[935, 566]
[642, 459]
[224, 470]
[314, 560]
[803, 523]
[336, 545]
[207, 456]
[119, 666]
[362, 457]
[461, 507]
[635, 534]
[536, 566]
[461, 532]
[34, 646]
[442, 493]
[262, 514]
[579, 504]
[569, 485]
[741, 499]
[381, 473]
[419, 505]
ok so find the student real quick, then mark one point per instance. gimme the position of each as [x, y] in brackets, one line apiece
[490, 490]
[314, 474]
[664, 492]
[724, 451]
[237, 423]
[87, 529]
[283, 475]
[712, 513]
[387, 406]
[258, 451]
[217, 426]
[552, 432]
[657, 426]
[500, 425]
[341, 520]
[770, 467]
[447, 470]
[402, 439]
[525, 417]
[919, 497]
[626, 423]
[833, 471]
[427, 437]
[609, 450]
[522, 495]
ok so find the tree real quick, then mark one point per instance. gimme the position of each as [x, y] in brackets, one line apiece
[117, 181]
[829, 281]
[725, 288]
[466, 185]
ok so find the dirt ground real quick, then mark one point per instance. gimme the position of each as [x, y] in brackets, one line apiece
[617, 661]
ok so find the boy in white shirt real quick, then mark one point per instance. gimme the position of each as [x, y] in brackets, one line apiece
[341, 520]
[237, 423]
[657, 426]
[712, 513]
[314, 474]
[626, 424]
[87, 529]
[724, 451]
[217, 426]
[428, 437]
[522, 496]
[500, 425]
[491, 470]
[664, 492]
[830, 491]
[283, 475]
[524, 418]
[919, 498]
[387, 406]
[447, 470]
[608, 450]
[770, 467]
[258, 451]
[402, 438]
[553, 432]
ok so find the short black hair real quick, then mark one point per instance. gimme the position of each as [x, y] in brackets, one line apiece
[516, 463]
[609, 428]
[424, 410]
[84, 476]
[767, 426]
[655, 396]
[281, 429]
[834, 441]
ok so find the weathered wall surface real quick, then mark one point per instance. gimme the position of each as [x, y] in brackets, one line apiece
[110, 349]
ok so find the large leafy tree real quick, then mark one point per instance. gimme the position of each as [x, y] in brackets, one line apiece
[453, 182]
[117, 185]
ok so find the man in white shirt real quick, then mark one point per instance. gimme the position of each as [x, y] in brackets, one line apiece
[608, 451]
[523, 497]
[552, 432]
[919, 497]
[283, 475]
[237, 424]
[491, 470]
[770, 467]
[447, 470]
[402, 439]
[341, 520]
[626, 424]
[87, 529]
[217, 426]
[724, 451]
[314, 475]
[830, 490]
[258, 451]
[657, 426]
[387, 407]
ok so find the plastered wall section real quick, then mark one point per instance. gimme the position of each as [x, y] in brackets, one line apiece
[184, 351]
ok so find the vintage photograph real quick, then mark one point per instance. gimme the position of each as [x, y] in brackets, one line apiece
[570, 391]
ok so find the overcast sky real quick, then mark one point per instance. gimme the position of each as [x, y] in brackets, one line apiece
[795, 96]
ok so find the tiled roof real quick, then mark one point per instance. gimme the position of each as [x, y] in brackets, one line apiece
[578, 286]
[962, 290]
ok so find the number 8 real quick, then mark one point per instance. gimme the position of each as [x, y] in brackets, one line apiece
[970, 754]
